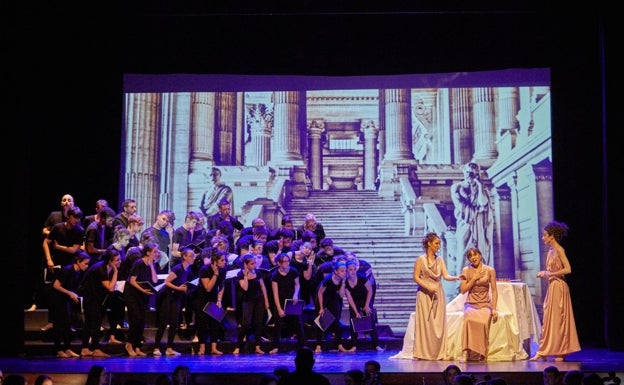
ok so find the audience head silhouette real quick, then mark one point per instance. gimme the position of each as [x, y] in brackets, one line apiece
[304, 361]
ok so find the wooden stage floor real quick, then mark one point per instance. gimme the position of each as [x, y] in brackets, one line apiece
[247, 368]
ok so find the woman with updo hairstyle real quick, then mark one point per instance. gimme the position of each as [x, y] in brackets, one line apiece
[430, 315]
[559, 337]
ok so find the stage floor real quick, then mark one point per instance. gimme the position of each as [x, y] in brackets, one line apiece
[209, 369]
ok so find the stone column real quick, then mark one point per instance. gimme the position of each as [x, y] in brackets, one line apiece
[226, 126]
[202, 105]
[177, 191]
[315, 129]
[461, 124]
[203, 122]
[398, 138]
[382, 126]
[485, 152]
[286, 143]
[142, 156]
[398, 124]
[544, 199]
[370, 154]
[506, 110]
[239, 137]
[260, 121]
[503, 242]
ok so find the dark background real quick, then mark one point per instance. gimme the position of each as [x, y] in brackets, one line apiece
[65, 70]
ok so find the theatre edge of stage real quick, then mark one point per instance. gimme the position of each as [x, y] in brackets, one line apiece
[512, 336]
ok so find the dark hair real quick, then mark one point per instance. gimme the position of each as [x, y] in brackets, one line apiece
[592, 379]
[573, 377]
[337, 265]
[308, 235]
[110, 254]
[280, 370]
[327, 242]
[95, 372]
[248, 258]
[557, 229]
[551, 369]
[74, 212]
[149, 246]
[14, 379]
[226, 227]
[216, 255]
[429, 237]
[451, 367]
[41, 378]
[267, 378]
[463, 379]
[286, 233]
[472, 251]
[280, 256]
[106, 212]
[304, 361]
[177, 370]
[356, 374]
[374, 363]
[262, 230]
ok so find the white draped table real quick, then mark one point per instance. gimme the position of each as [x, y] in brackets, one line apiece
[512, 336]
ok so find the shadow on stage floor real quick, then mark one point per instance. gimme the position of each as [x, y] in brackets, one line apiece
[247, 368]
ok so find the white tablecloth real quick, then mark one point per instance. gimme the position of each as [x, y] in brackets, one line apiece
[517, 328]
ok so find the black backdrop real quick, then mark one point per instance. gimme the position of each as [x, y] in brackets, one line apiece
[66, 81]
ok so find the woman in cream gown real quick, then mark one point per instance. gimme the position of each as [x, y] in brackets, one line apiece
[430, 316]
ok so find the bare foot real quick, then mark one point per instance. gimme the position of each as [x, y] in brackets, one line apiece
[100, 353]
[318, 349]
[236, 351]
[217, 352]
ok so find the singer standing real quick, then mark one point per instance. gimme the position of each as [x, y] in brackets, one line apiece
[430, 316]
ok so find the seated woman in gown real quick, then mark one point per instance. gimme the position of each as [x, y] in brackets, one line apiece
[478, 280]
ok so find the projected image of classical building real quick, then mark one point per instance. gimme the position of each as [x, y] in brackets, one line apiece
[379, 168]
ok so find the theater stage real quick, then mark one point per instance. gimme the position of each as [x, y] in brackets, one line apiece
[247, 368]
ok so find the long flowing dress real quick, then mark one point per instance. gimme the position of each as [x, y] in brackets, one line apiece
[559, 335]
[477, 314]
[430, 315]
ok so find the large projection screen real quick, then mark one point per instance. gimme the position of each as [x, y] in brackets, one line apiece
[409, 138]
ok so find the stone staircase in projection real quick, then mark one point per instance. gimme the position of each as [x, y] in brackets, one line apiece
[372, 227]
